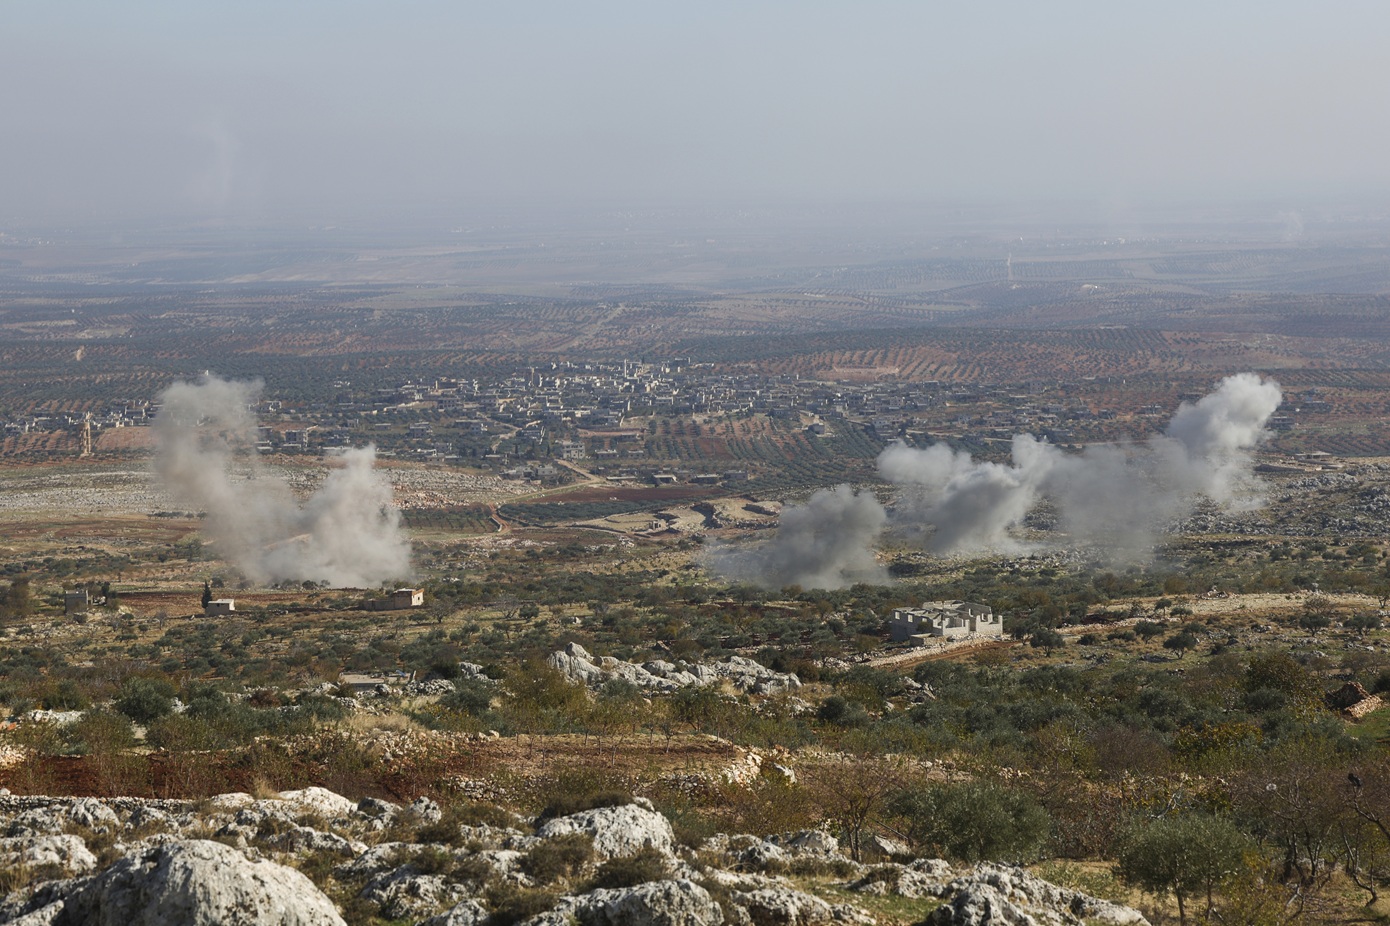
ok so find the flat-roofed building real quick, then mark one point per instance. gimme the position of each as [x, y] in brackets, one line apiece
[945, 620]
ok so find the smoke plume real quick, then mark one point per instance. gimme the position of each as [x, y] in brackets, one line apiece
[825, 543]
[1116, 499]
[346, 534]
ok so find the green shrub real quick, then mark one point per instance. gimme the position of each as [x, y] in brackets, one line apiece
[560, 856]
[448, 829]
[563, 806]
[973, 821]
[511, 903]
[470, 697]
[145, 700]
[647, 865]
[841, 712]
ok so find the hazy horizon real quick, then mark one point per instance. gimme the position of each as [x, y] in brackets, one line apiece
[263, 113]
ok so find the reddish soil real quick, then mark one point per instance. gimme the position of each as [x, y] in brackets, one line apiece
[517, 759]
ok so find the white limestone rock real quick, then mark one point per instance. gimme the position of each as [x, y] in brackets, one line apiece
[465, 913]
[407, 894]
[60, 855]
[616, 831]
[992, 895]
[575, 663]
[810, 842]
[784, 906]
[196, 883]
[656, 903]
[321, 801]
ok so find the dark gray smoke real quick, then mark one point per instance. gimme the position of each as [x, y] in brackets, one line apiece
[825, 543]
[1118, 498]
[346, 534]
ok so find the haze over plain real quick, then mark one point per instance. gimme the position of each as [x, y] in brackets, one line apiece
[310, 112]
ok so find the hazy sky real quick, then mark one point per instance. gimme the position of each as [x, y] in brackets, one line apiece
[266, 110]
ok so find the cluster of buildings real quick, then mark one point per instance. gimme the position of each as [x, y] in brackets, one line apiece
[600, 414]
[118, 415]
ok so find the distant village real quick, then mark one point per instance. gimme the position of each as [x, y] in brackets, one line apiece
[603, 416]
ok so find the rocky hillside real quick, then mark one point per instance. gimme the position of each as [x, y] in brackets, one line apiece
[315, 857]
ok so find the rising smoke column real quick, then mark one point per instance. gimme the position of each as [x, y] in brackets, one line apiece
[1217, 434]
[346, 534]
[825, 543]
[952, 504]
[1115, 497]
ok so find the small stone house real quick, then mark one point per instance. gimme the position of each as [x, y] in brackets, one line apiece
[218, 607]
[399, 600]
[76, 601]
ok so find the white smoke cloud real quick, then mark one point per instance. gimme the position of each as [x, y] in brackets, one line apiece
[346, 534]
[1114, 497]
[953, 504]
[825, 543]
[1218, 432]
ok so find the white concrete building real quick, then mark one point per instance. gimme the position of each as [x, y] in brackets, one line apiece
[949, 620]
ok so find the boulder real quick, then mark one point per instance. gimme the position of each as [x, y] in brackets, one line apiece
[883, 847]
[321, 801]
[428, 688]
[425, 809]
[94, 815]
[407, 894]
[465, 913]
[905, 880]
[473, 672]
[656, 903]
[196, 883]
[754, 677]
[86, 812]
[232, 800]
[783, 906]
[62, 855]
[815, 842]
[747, 853]
[994, 895]
[617, 831]
[377, 859]
[308, 839]
[980, 905]
[575, 663]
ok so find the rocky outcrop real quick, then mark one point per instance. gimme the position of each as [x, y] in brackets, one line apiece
[656, 903]
[172, 875]
[616, 831]
[996, 895]
[428, 688]
[576, 663]
[55, 855]
[320, 800]
[783, 906]
[193, 883]
[406, 893]
[467, 913]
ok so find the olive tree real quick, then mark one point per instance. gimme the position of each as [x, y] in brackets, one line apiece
[1183, 855]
